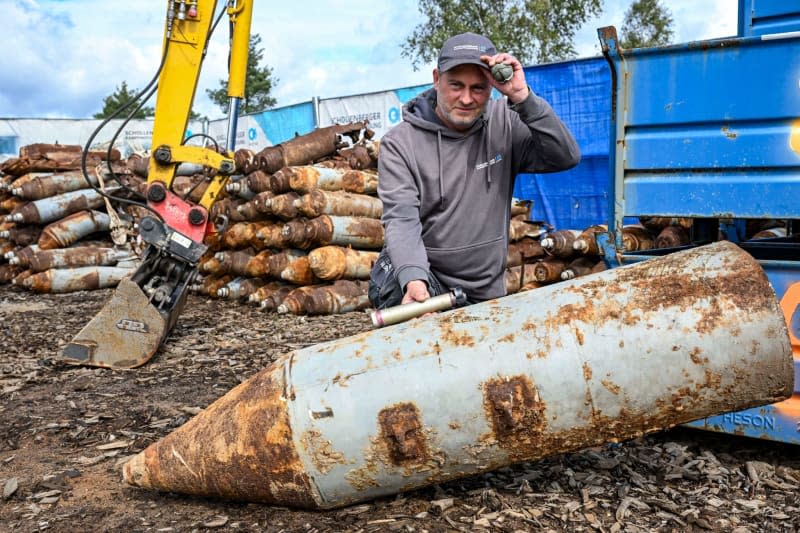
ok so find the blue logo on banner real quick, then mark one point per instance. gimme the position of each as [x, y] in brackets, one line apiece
[394, 115]
[251, 134]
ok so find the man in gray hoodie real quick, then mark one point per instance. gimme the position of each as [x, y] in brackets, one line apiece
[446, 176]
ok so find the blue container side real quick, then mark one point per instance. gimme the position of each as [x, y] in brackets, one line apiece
[761, 17]
[709, 129]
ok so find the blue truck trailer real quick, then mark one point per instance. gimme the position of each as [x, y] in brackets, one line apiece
[710, 131]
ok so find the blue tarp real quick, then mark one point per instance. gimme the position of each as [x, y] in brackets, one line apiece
[580, 93]
[285, 123]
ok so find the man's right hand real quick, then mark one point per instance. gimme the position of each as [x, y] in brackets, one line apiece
[416, 291]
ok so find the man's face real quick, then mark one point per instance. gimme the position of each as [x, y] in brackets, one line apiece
[461, 95]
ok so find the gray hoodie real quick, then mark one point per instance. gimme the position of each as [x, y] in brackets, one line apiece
[447, 194]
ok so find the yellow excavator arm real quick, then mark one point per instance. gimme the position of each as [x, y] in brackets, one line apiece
[127, 332]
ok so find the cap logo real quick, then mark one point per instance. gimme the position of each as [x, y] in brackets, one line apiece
[469, 47]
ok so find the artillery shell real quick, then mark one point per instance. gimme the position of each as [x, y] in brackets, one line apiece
[559, 243]
[319, 202]
[73, 228]
[336, 262]
[393, 410]
[82, 256]
[63, 280]
[636, 238]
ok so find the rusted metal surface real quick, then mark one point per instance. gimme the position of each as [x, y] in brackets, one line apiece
[9, 272]
[256, 208]
[73, 228]
[45, 186]
[519, 229]
[344, 231]
[586, 243]
[282, 205]
[337, 262]
[240, 188]
[360, 182]
[521, 208]
[258, 182]
[22, 235]
[11, 204]
[56, 207]
[637, 238]
[656, 224]
[22, 276]
[770, 233]
[275, 298]
[319, 202]
[298, 233]
[524, 250]
[63, 280]
[300, 150]
[279, 181]
[240, 288]
[277, 262]
[580, 266]
[672, 236]
[271, 235]
[359, 157]
[228, 207]
[22, 257]
[559, 243]
[266, 290]
[228, 262]
[209, 285]
[82, 256]
[257, 266]
[561, 368]
[304, 179]
[519, 276]
[242, 447]
[52, 158]
[210, 265]
[298, 271]
[549, 269]
[243, 235]
[343, 296]
[295, 301]
[6, 247]
[194, 185]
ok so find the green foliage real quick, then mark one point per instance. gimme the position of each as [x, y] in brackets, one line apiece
[120, 97]
[533, 31]
[647, 23]
[258, 84]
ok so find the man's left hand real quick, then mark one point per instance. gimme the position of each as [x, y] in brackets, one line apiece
[516, 89]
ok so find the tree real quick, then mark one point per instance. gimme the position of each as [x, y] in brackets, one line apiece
[120, 97]
[647, 23]
[531, 30]
[258, 84]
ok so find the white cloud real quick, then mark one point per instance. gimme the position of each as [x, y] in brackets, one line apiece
[61, 58]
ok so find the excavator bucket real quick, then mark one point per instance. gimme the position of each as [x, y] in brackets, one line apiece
[125, 334]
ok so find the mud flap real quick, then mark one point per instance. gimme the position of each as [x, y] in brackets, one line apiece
[125, 334]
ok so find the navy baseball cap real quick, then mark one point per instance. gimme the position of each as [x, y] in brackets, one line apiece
[465, 48]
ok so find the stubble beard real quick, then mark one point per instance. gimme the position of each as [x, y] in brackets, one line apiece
[456, 122]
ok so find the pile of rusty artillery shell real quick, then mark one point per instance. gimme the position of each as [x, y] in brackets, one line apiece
[48, 213]
[303, 227]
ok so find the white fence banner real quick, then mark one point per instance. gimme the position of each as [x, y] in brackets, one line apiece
[249, 133]
[134, 137]
[382, 110]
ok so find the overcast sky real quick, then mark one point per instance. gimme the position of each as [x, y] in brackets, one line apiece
[61, 57]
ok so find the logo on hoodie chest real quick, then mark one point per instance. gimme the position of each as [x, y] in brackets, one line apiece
[496, 159]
